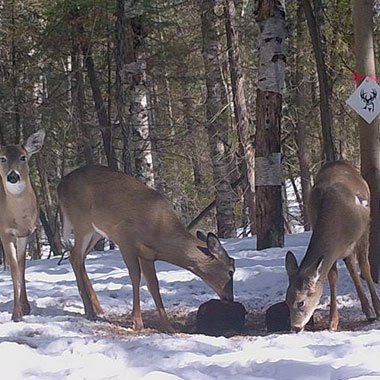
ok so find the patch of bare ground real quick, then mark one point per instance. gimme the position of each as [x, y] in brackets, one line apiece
[184, 322]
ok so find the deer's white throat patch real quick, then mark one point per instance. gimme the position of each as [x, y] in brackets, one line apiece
[15, 188]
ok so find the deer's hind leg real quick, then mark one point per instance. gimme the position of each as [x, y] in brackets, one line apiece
[350, 262]
[84, 242]
[362, 255]
[334, 315]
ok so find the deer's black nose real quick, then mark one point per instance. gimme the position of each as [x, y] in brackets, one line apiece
[13, 177]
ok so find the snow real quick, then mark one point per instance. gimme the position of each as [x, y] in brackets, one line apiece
[57, 342]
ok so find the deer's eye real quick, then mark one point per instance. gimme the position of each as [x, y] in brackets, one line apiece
[23, 158]
[3, 159]
[300, 304]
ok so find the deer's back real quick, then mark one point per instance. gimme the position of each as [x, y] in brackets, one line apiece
[340, 197]
[114, 201]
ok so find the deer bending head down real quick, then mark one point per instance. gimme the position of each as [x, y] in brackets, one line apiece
[19, 212]
[339, 211]
[97, 202]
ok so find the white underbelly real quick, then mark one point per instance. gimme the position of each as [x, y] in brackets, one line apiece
[99, 231]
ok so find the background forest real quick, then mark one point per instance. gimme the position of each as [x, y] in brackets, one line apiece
[165, 90]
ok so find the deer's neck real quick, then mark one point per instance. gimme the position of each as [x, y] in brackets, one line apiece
[184, 251]
[328, 240]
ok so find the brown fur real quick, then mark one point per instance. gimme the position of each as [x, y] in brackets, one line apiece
[18, 216]
[95, 201]
[339, 210]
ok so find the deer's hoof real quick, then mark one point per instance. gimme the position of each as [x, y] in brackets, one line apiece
[17, 317]
[91, 316]
[137, 325]
[26, 309]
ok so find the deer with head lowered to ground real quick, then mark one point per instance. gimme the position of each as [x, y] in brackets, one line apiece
[18, 213]
[97, 202]
[340, 216]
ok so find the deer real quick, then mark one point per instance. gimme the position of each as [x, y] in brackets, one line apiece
[340, 216]
[19, 213]
[97, 202]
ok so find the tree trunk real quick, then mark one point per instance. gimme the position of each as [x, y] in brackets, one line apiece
[121, 102]
[138, 95]
[271, 79]
[325, 87]
[51, 216]
[217, 124]
[15, 79]
[99, 106]
[244, 129]
[362, 11]
[301, 135]
[78, 102]
[191, 127]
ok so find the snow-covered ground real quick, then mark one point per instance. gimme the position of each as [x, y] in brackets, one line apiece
[57, 342]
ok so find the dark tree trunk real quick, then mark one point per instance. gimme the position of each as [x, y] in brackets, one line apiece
[121, 102]
[301, 135]
[217, 123]
[271, 79]
[100, 106]
[78, 103]
[241, 113]
[325, 86]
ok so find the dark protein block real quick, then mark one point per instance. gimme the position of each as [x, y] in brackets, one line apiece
[216, 318]
[277, 318]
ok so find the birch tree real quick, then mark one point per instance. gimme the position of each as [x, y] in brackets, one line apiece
[270, 87]
[137, 92]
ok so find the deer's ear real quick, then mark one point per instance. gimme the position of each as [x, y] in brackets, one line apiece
[215, 247]
[291, 265]
[35, 142]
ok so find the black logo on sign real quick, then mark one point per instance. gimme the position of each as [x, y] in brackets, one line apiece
[368, 99]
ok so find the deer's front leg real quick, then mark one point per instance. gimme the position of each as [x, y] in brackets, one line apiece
[150, 275]
[10, 251]
[134, 271]
[21, 244]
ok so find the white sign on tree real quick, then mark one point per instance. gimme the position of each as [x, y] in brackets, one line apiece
[365, 100]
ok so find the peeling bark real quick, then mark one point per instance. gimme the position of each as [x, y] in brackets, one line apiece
[271, 81]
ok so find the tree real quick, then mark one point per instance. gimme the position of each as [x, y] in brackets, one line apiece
[138, 92]
[120, 85]
[301, 135]
[244, 129]
[217, 124]
[362, 12]
[270, 86]
[325, 86]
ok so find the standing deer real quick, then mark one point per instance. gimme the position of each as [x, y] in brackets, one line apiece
[18, 213]
[97, 202]
[340, 215]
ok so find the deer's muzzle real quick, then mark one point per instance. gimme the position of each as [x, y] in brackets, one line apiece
[13, 177]
[228, 292]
